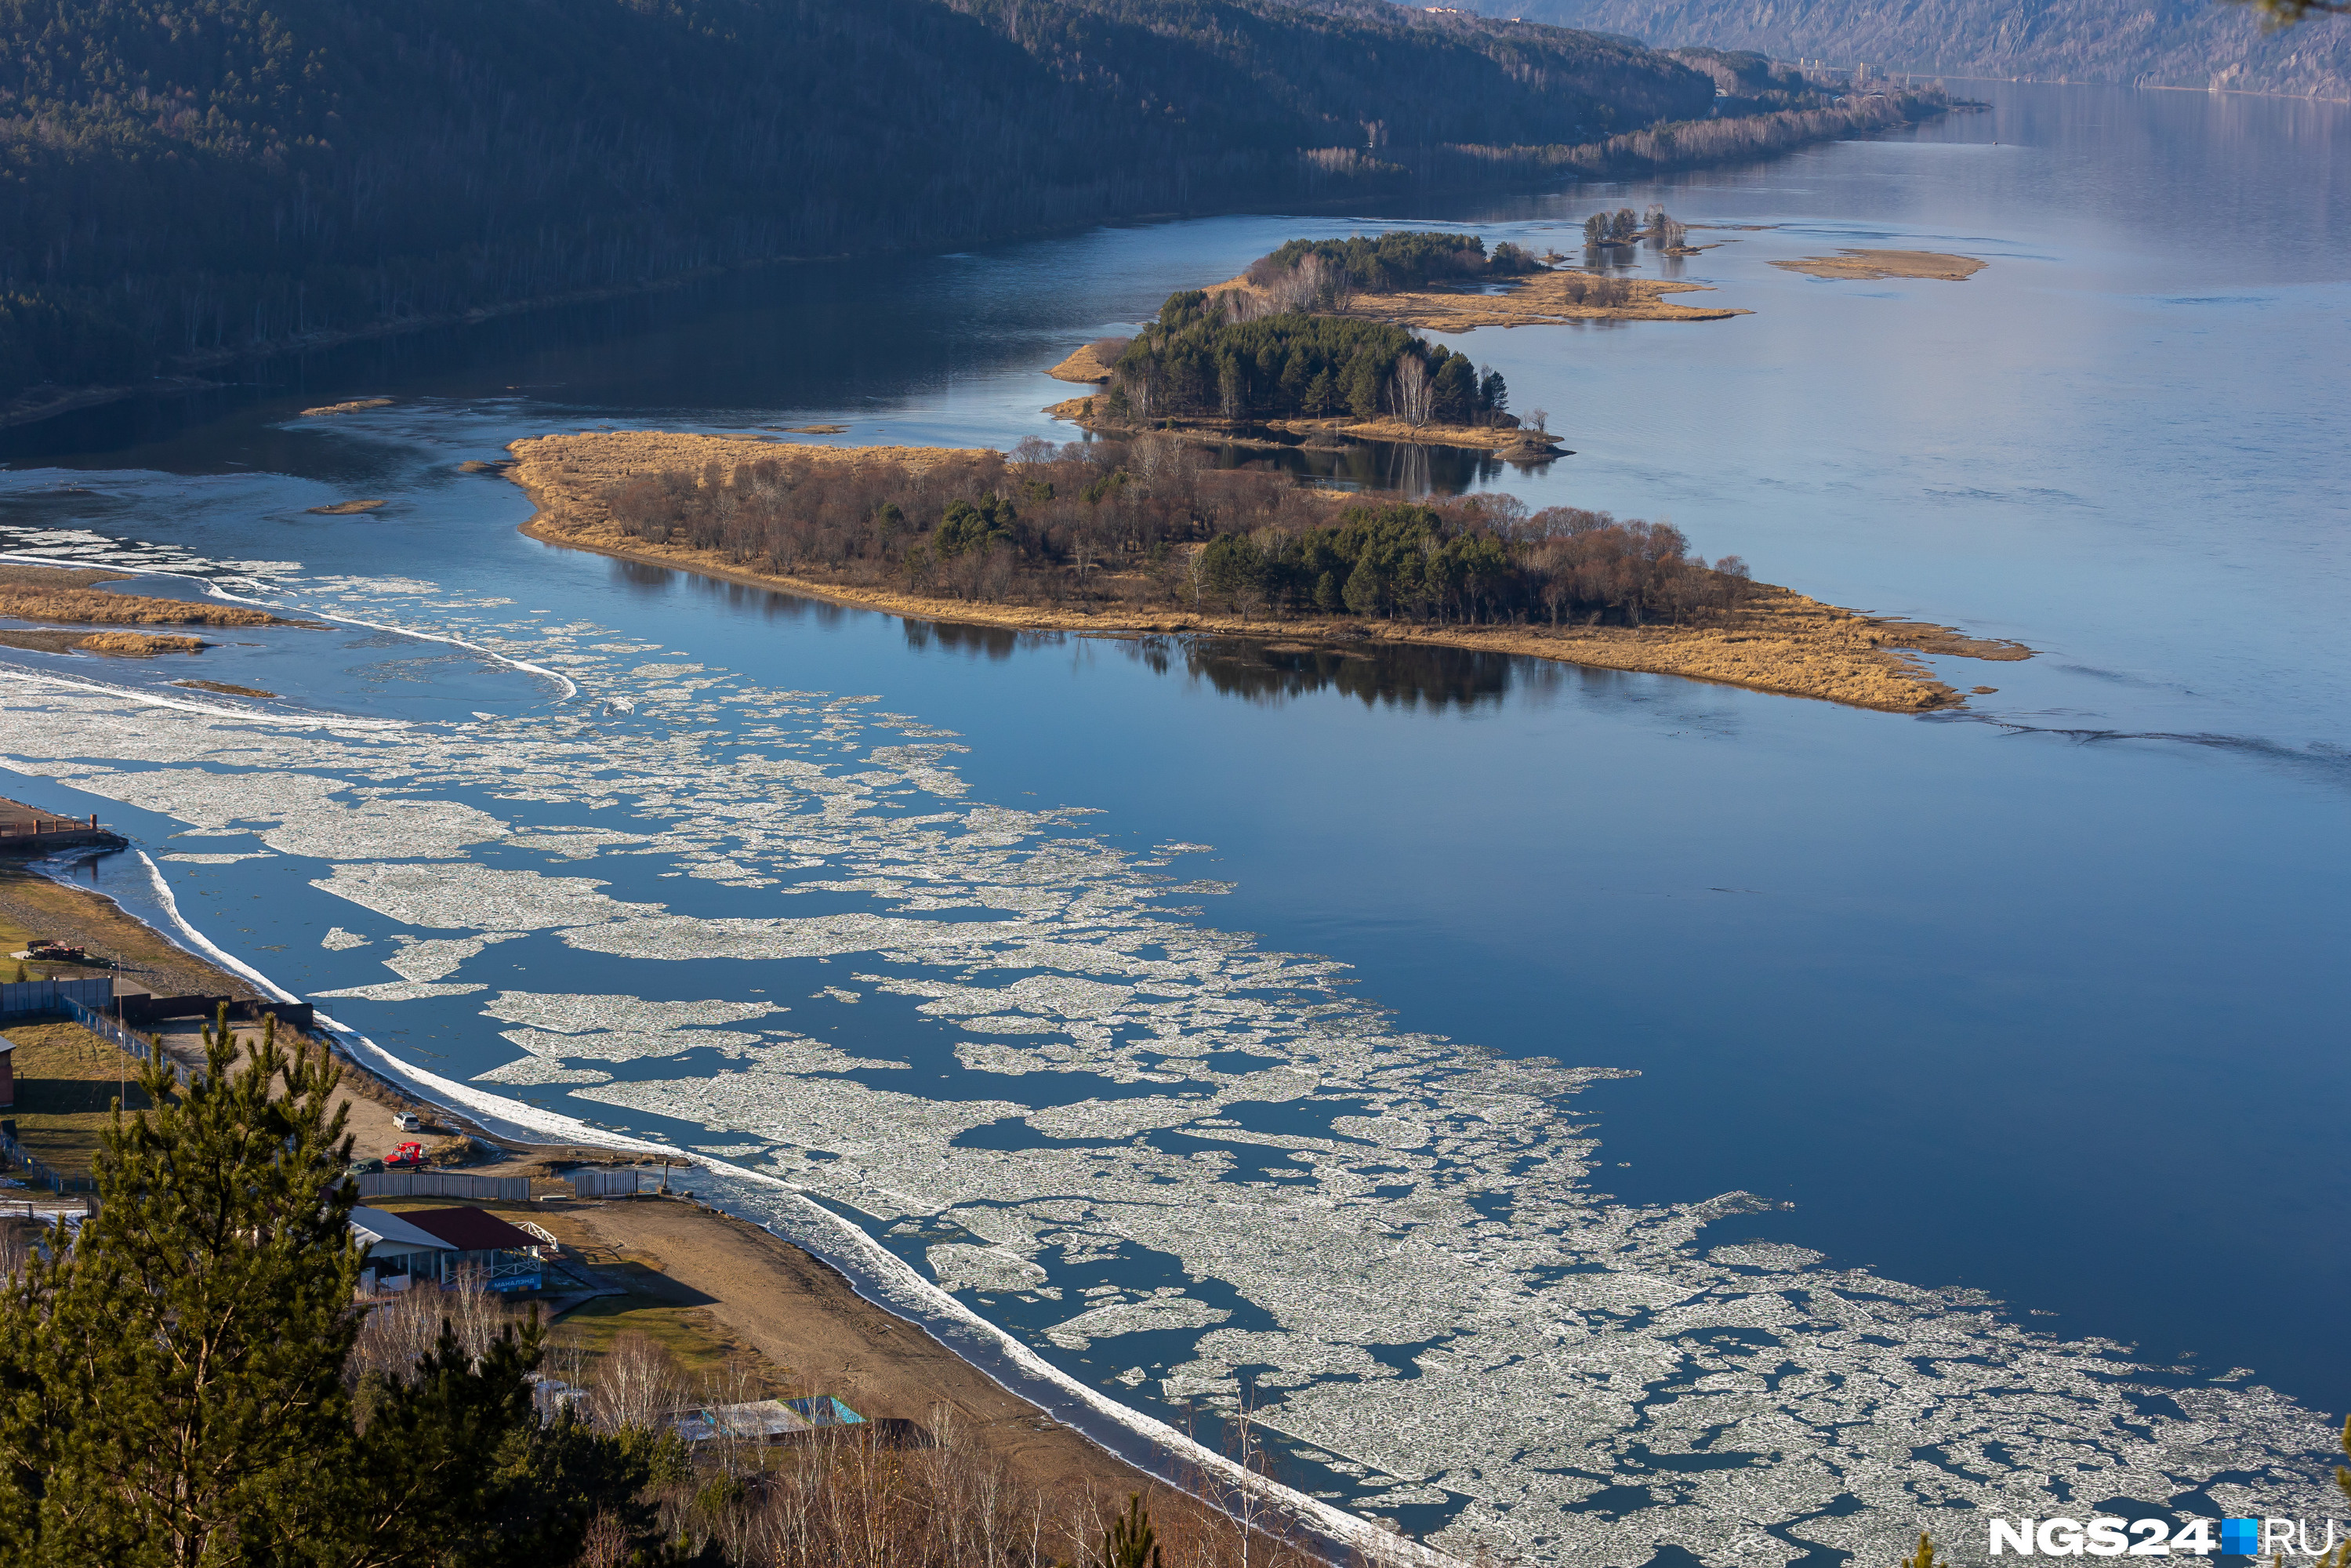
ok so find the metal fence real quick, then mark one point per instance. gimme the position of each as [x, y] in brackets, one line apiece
[105, 1027]
[444, 1184]
[627, 1181]
[54, 995]
[34, 1174]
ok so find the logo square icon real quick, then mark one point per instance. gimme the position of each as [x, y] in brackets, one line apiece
[2242, 1536]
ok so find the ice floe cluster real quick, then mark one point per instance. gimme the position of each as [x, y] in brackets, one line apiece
[1053, 1087]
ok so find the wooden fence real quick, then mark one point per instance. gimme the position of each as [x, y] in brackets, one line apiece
[625, 1181]
[444, 1184]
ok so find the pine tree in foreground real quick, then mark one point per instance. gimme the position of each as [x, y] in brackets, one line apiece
[172, 1388]
[174, 1377]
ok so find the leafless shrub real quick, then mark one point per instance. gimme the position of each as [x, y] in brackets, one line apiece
[400, 1329]
[637, 1384]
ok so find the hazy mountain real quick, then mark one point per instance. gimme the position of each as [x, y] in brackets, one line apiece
[2165, 43]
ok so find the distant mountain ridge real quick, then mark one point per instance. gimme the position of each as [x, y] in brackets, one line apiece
[2156, 43]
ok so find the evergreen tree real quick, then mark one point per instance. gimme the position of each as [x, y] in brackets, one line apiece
[1130, 1541]
[175, 1376]
[1365, 590]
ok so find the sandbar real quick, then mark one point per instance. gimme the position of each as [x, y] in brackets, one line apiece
[1538, 299]
[345, 508]
[1871, 263]
[1781, 642]
[354, 406]
[1081, 412]
[1092, 363]
[227, 689]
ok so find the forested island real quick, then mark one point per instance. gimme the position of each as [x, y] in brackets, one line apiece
[186, 184]
[1147, 537]
[1310, 340]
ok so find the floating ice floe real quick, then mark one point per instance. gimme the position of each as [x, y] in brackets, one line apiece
[1146, 1316]
[472, 897]
[400, 991]
[438, 959]
[1410, 1267]
[961, 1266]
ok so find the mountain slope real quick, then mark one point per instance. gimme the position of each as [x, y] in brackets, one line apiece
[184, 178]
[2165, 43]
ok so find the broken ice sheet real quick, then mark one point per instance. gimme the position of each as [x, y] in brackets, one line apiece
[1345, 1184]
[1135, 1317]
[960, 1266]
[572, 1013]
[472, 897]
[400, 991]
[438, 959]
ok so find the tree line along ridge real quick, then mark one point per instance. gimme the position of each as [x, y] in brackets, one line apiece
[186, 180]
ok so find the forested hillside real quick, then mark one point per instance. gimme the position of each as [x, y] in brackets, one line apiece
[2165, 43]
[189, 178]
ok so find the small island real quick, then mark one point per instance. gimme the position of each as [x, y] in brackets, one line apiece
[1866, 264]
[1134, 537]
[1313, 343]
[72, 595]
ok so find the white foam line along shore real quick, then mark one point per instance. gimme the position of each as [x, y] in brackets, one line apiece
[571, 688]
[211, 587]
[881, 1277]
[208, 710]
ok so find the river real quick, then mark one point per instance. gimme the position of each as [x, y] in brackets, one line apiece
[1611, 1118]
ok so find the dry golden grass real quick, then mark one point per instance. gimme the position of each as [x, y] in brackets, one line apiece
[67, 1082]
[1781, 642]
[1542, 300]
[1079, 411]
[1539, 299]
[1868, 264]
[45, 577]
[1085, 365]
[92, 607]
[140, 644]
[579, 468]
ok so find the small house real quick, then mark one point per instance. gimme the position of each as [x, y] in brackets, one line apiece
[508, 1255]
[398, 1253]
